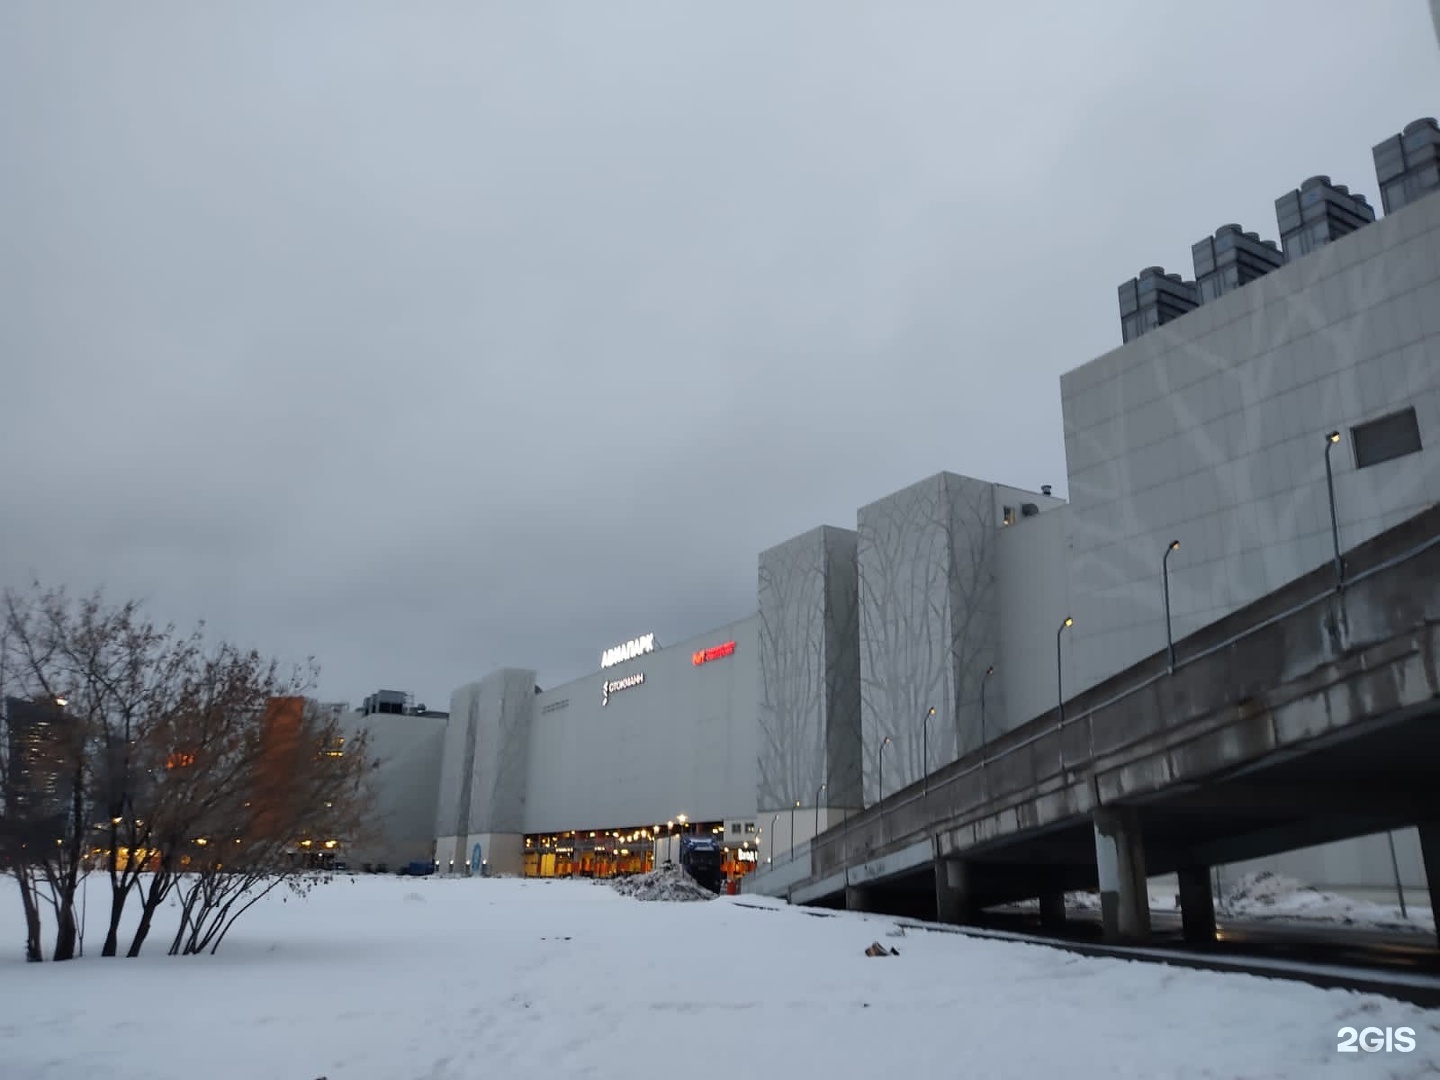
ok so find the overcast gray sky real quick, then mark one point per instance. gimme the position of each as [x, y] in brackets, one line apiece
[430, 338]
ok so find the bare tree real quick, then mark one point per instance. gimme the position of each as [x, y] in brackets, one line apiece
[17, 831]
[304, 791]
[133, 748]
[57, 657]
[209, 741]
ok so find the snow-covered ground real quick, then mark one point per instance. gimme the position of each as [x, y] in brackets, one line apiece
[391, 979]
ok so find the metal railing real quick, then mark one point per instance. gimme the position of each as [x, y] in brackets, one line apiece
[877, 812]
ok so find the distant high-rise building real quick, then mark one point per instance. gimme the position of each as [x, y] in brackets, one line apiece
[1407, 165]
[1153, 299]
[1232, 258]
[1318, 212]
[37, 785]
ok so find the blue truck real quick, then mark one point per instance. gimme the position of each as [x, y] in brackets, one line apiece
[702, 859]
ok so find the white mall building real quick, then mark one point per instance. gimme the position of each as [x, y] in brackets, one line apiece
[1208, 426]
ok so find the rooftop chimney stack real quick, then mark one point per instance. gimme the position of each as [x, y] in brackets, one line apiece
[1408, 165]
[1318, 212]
[1154, 299]
[1232, 258]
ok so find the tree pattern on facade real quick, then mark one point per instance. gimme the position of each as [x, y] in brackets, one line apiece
[452, 804]
[1229, 406]
[842, 671]
[807, 733]
[498, 710]
[928, 624]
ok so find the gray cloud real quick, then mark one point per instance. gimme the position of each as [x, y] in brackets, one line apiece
[470, 334]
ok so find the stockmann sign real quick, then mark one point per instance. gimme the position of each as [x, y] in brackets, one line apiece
[631, 649]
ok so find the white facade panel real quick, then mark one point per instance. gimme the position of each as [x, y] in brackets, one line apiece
[683, 741]
[1032, 568]
[406, 751]
[1211, 431]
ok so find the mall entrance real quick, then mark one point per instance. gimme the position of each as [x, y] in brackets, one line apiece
[610, 853]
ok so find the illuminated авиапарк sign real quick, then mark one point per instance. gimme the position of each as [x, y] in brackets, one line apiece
[748, 856]
[704, 656]
[611, 685]
[631, 649]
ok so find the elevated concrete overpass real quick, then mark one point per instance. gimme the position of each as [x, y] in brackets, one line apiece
[1309, 716]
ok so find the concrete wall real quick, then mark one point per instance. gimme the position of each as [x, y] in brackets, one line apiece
[682, 742]
[407, 751]
[1211, 430]
[809, 686]
[928, 624]
[1032, 567]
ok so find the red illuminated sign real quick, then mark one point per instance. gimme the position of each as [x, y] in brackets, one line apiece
[719, 652]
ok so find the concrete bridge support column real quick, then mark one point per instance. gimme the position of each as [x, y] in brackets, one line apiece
[1197, 904]
[954, 892]
[858, 898]
[1120, 858]
[1430, 854]
[1052, 909]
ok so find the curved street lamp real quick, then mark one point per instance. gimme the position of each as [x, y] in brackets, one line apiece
[817, 810]
[925, 750]
[880, 770]
[988, 672]
[880, 781]
[1165, 576]
[1059, 670]
[1330, 441]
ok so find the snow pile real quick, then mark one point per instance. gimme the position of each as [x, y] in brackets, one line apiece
[1268, 895]
[667, 883]
[1090, 901]
[1265, 889]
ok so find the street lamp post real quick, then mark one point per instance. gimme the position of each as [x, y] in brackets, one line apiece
[880, 784]
[1330, 441]
[817, 811]
[774, 832]
[988, 672]
[925, 748]
[1399, 883]
[1060, 693]
[1165, 576]
[1059, 669]
[791, 849]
